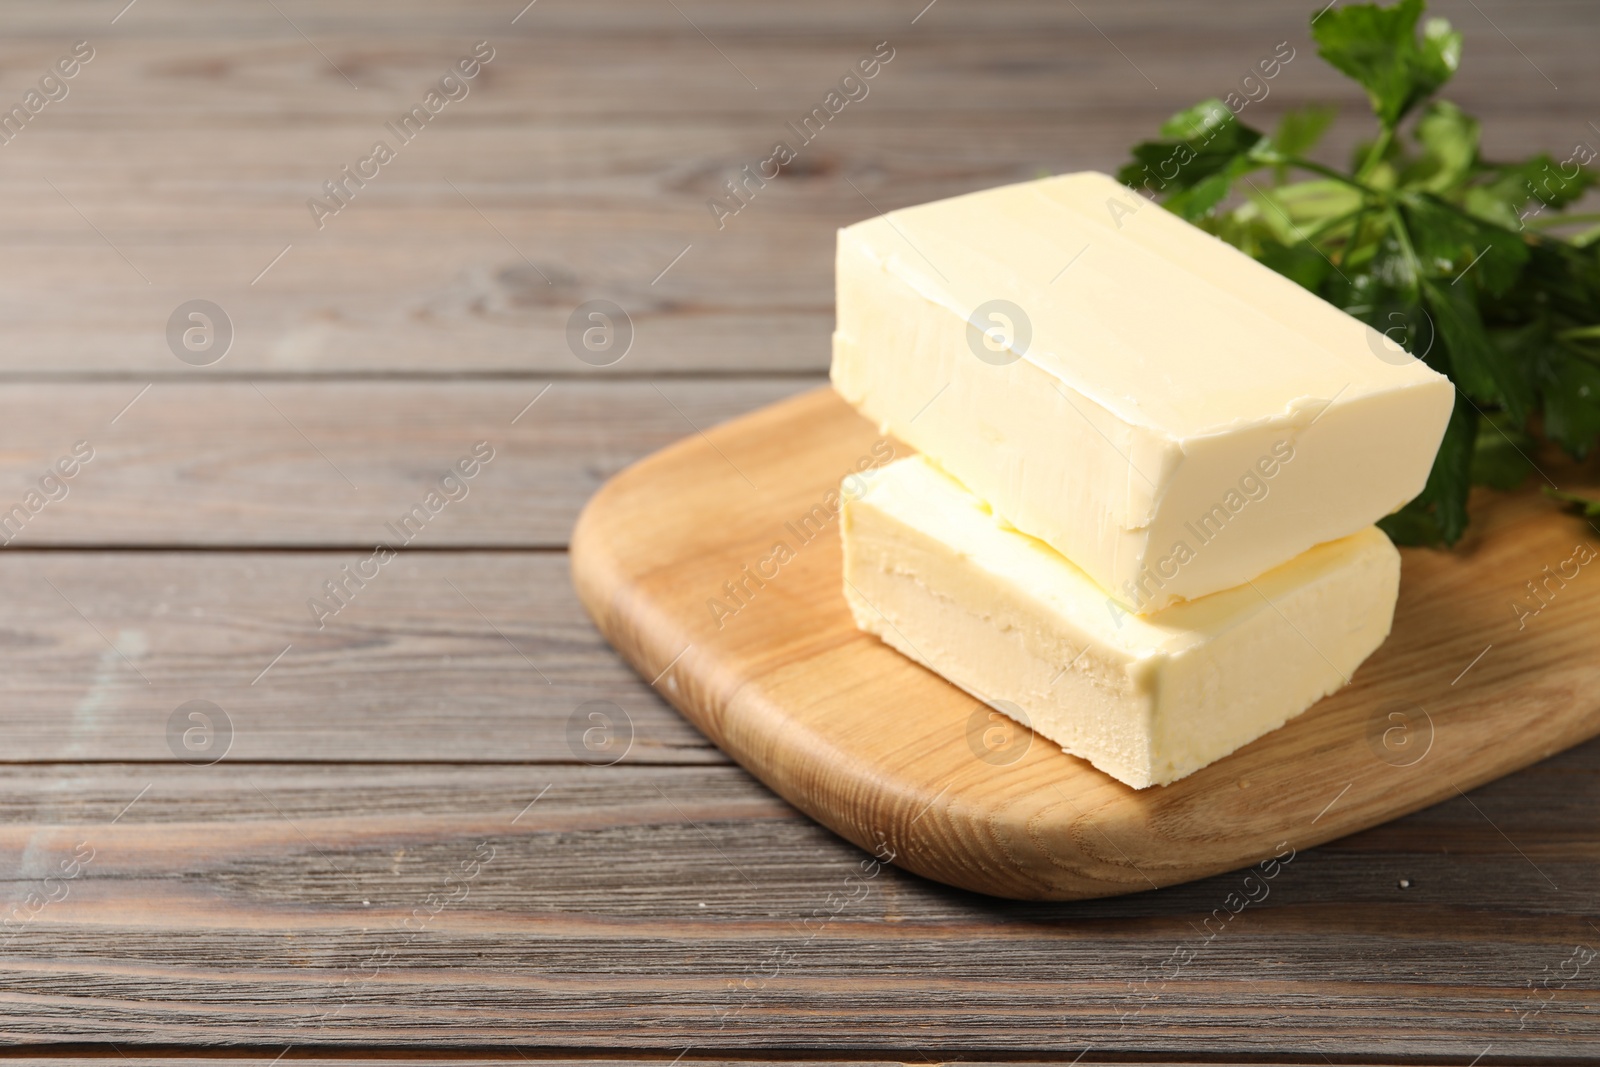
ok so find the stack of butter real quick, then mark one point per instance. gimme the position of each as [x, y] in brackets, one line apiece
[1141, 519]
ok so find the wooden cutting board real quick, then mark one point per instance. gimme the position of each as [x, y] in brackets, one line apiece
[677, 560]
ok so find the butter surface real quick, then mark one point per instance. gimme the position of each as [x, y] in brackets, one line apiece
[931, 571]
[1168, 413]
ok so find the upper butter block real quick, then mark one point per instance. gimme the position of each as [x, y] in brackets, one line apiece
[1169, 414]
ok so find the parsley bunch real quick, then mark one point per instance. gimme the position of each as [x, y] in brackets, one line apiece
[1449, 254]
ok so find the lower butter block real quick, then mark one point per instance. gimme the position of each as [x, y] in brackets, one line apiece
[1147, 699]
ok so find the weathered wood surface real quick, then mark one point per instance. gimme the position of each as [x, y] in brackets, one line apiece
[470, 657]
[330, 463]
[244, 903]
[583, 157]
[225, 906]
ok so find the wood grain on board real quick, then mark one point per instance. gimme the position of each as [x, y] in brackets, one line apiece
[238, 904]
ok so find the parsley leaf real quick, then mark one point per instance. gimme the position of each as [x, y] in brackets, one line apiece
[1456, 257]
[1439, 514]
[1378, 47]
[1299, 131]
[1449, 140]
[1500, 458]
[1589, 509]
[1206, 148]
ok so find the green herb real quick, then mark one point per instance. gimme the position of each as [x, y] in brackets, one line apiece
[1579, 505]
[1447, 253]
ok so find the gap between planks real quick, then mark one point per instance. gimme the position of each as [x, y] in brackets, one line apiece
[136, 1055]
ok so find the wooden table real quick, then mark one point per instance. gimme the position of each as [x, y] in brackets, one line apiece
[411, 846]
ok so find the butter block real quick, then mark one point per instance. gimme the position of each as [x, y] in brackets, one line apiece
[1148, 699]
[1166, 412]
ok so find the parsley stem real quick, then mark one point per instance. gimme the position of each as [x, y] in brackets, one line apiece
[1330, 224]
[1379, 149]
[1329, 172]
[1404, 237]
[1355, 242]
[1561, 220]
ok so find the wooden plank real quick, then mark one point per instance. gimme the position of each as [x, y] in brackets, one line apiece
[159, 58]
[413, 279]
[659, 907]
[439, 656]
[336, 463]
[1156, 21]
